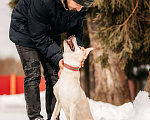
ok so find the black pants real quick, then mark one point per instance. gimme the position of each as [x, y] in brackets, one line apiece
[31, 60]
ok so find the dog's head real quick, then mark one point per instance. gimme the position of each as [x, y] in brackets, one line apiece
[73, 55]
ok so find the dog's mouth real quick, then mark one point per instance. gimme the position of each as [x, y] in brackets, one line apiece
[70, 43]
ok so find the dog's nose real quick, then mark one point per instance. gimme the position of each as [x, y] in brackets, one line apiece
[70, 38]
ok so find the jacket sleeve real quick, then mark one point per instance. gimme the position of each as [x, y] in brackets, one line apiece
[78, 32]
[39, 28]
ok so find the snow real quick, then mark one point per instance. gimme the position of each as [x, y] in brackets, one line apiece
[12, 107]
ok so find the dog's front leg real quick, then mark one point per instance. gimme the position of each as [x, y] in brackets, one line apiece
[73, 115]
[56, 110]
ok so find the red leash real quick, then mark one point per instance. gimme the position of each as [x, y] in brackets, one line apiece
[71, 68]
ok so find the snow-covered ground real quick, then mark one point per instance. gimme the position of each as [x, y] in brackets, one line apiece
[12, 107]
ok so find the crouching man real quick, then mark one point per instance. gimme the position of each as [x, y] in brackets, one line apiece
[36, 28]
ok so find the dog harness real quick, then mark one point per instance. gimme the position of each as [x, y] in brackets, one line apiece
[71, 68]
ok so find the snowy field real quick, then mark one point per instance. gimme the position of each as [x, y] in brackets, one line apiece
[12, 107]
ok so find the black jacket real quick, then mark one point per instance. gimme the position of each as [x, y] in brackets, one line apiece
[39, 24]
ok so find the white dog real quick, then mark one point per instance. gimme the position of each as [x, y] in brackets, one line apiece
[67, 90]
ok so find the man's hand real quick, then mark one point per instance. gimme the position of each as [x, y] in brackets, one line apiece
[61, 66]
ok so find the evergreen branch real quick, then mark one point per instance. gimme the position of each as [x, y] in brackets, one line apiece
[146, 42]
[124, 28]
[147, 4]
[128, 45]
[131, 13]
[139, 25]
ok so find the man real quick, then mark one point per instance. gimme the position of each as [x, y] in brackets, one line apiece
[36, 28]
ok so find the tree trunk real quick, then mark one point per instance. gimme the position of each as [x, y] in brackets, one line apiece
[85, 83]
[111, 83]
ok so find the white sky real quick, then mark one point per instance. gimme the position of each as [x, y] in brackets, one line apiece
[7, 48]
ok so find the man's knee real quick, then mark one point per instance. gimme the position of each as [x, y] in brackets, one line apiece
[33, 72]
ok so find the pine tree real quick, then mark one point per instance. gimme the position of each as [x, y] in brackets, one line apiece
[125, 29]
[110, 84]
[122, 29]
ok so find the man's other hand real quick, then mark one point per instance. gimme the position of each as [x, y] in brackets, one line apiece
[61, 66]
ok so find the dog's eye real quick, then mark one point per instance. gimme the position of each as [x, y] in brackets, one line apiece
[80, 47]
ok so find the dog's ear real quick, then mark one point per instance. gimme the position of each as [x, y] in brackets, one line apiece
[87, 51]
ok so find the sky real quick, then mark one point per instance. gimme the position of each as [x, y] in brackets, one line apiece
[12, 107]
[7, 48]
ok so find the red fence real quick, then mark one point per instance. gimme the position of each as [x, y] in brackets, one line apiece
[15, 84]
